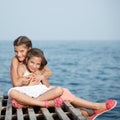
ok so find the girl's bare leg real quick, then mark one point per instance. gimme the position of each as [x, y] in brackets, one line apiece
[87, 104]
[51, 94]
[27, 100]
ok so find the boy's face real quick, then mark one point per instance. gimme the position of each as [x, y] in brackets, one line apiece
[20, 52]
[33, 64]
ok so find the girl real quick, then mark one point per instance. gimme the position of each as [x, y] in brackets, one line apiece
[34, 63]
[34, 66]
[21, 46]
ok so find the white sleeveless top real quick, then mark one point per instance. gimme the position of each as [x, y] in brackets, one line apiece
[26, 74]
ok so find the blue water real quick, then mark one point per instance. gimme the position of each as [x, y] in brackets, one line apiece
[90, 69]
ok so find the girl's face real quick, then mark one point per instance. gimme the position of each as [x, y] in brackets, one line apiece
[20, 52]
[33, 64]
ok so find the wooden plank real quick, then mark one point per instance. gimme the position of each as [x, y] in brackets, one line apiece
[89, 111]
[20, 114]
[46, 114]
[61, 114]
[8, 115]
[31, 113]
[77, 115]
[0, 104]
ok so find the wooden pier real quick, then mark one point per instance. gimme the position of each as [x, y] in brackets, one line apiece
[66, 112]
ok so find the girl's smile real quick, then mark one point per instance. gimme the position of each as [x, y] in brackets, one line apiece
[33, 64]
[20, 52]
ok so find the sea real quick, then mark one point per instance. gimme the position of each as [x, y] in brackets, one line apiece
[89, 69]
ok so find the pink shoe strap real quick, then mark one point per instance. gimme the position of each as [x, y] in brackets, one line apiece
[46, 104]
[58, 102]
[110, 103]
[14, 104]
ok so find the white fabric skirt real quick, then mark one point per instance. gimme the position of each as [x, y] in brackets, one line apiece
[32, 91]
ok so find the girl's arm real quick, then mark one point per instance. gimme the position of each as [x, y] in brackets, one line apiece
[45, 82]
[40, 78]
[23, 80]
[16, 79]
[44, 75]
[46, 72]
[14, 72]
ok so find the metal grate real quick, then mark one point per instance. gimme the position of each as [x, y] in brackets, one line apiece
[66, 112]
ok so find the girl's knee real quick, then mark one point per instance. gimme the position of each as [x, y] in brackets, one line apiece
[59, 90]
[12, 92]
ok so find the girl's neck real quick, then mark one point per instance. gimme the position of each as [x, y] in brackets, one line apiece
[20, 63]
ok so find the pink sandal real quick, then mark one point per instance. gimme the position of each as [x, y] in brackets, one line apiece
[58, 102]
[110, 104]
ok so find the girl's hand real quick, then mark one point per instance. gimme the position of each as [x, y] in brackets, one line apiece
[39, 77]
[28, 79]
[25, 81]
[34, 80]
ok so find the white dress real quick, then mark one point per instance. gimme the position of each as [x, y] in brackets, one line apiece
[32, 91]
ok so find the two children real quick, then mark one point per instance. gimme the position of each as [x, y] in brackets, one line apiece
[32, 64]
